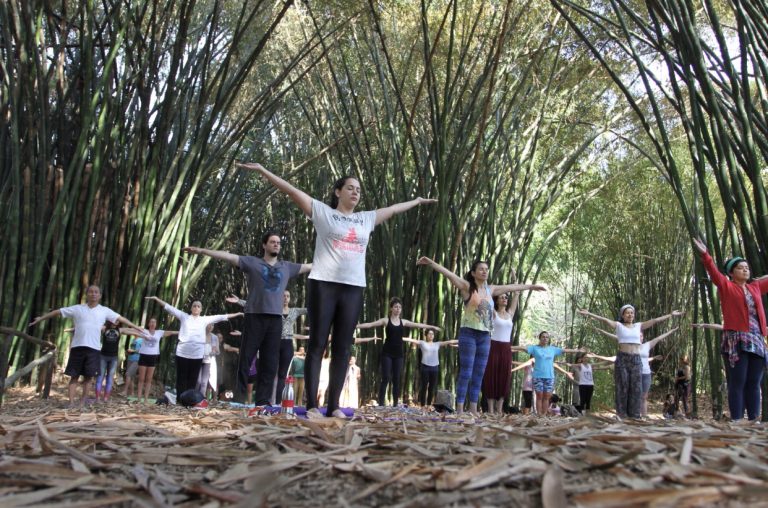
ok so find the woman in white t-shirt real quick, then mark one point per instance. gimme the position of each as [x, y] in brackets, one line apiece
[191, 346]
[430, 365]
[149, 355]
[337, 280]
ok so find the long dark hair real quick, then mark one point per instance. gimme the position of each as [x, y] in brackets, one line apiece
[469, 278]
[338, 185]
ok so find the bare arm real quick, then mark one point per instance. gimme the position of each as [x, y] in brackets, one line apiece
[384, 214]
[412, 324]
[168, 333]
[707, 326]
[568, 374]
[578, 350]
[605, 320]
[606, 333]
[448, 342]
[606, 358]
[236, 300]
[125, 321]
[366, 339]
[661, 337]
[131, 331]
[305, 268]
[458, 282]
[301, 198]
[515, 288]
[523, 365]
[660, 319]
[298, 336]
[412, 341]
[522, 349]
[221, 255]
[48, 315]
[372, 324]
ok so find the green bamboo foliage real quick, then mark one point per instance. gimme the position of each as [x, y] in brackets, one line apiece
[447, 100]
[118, 121]
[689, 69]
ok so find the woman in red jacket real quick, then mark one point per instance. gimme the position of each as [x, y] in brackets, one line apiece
[742, 342]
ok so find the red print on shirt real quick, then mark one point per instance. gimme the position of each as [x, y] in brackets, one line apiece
[349, 242]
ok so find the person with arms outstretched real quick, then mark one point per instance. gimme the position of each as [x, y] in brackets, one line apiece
[430, 365]
[392, 356]
[85, 348]
[337, 279]
[190, 349]
[476, 325]
[628, 372]
[149, 355]
[267, 279]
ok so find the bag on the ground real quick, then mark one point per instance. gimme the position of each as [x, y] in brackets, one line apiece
[444, 401]
[190, 398]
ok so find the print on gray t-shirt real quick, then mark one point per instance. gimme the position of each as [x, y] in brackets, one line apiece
[266, 284]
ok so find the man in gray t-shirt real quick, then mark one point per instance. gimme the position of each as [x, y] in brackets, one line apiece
[267, 279]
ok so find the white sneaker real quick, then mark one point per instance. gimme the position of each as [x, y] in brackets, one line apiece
[314, 414]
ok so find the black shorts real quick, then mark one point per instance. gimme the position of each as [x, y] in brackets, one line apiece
[148, 360]
[83, 361]
[527, 399]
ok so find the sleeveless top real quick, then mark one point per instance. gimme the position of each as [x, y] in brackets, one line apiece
[393, 345]
[502, 328]
[628, 335]
[478, 311]
[585, 375]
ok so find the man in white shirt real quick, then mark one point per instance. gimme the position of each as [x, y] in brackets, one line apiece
[84, 353]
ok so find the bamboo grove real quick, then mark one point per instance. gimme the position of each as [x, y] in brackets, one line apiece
[525, 120]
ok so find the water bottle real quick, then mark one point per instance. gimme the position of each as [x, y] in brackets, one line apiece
[286, 404]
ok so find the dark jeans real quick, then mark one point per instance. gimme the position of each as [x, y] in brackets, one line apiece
[330, 304]
[744, 380]
[428, 384]
[391, 368]
[585, 397]
[286, 355]
[187, 372]
[261, 334]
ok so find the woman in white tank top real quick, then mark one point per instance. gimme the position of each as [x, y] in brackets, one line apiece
[629, 367]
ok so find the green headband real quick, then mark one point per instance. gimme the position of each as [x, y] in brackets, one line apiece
[733, 262]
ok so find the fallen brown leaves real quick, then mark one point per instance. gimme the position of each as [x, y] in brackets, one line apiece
[120, 454]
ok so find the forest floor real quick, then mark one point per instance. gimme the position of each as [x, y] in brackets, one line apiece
[130, 454]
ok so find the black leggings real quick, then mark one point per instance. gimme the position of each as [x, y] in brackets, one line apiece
[261, 334]
[286, 355]
[330, 304]
[187, 372]
[391, 368]
[585, 397]
[428, 384]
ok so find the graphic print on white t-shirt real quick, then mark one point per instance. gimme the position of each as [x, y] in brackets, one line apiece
[349, 243]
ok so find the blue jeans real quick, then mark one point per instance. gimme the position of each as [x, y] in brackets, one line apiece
[474, 346]
[108, 368]
[744, 385]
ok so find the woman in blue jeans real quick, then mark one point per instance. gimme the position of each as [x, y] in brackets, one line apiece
[476, 325]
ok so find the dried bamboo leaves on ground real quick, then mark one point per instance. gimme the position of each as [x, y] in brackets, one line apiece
[120, 454]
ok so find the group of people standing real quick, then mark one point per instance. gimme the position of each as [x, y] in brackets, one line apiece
[337, 278]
